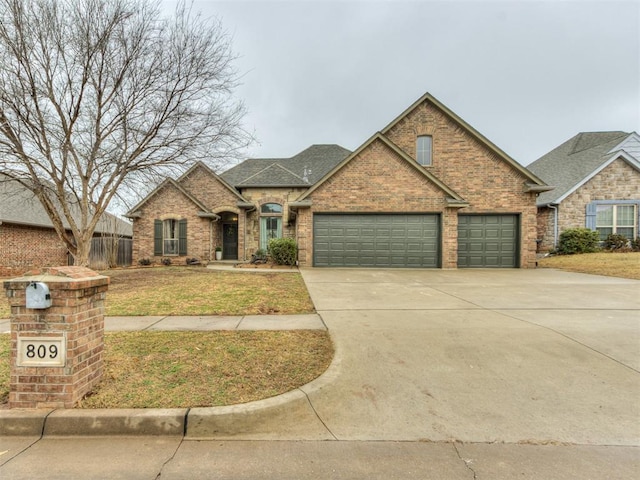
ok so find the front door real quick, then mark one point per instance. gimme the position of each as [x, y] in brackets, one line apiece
[230, 241]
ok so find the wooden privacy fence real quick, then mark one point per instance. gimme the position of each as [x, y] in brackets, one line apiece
[109, 252]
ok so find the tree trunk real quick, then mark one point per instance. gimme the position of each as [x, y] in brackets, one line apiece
[81, 254]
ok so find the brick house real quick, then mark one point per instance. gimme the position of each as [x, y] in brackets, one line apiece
[597, 186]
[27, 236]
[425, 191]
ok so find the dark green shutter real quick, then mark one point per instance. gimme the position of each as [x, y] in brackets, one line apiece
[182, 237]
[157, 237]
[590, 219]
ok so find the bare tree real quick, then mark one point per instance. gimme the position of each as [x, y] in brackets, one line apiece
[98, 97]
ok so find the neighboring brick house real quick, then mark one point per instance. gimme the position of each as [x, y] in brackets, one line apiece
[27, 236]
[597, 186]
[426, 191]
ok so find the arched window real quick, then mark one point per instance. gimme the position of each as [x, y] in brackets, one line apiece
[274, 208]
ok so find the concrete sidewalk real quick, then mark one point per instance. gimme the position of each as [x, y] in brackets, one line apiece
[206, 322]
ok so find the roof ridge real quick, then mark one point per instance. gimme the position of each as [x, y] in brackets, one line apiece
[588, 140]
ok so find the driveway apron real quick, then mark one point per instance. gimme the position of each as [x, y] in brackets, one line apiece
[517, 356]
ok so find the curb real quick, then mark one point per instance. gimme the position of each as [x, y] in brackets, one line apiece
[256, 418]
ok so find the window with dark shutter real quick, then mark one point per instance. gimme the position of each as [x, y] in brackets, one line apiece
[182, 237]
[157, 237]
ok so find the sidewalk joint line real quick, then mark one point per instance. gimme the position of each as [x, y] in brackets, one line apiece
[467, 461]
[155, 323]
[317, 414]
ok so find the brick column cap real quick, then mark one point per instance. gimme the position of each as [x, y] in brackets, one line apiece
[67, 275]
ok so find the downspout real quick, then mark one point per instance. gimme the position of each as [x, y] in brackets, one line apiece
[555, 225]
[246, 227]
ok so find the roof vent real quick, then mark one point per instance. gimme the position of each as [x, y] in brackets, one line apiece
[306, 173]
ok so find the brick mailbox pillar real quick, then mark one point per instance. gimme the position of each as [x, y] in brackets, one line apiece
[57, 336]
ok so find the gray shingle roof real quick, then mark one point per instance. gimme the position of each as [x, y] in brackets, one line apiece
[18, 205]
[569, 164]
[303, 169]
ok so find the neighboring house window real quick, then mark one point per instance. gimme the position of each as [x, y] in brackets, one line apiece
[618, 219]
[270, 223]
[423, 150]
[170, 237]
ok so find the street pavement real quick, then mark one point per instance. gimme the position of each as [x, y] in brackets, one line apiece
[486, 374]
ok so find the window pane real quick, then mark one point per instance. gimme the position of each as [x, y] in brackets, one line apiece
[625, 215]
[626, 231]
[604, 232]
[604, 215]
[271, 208]
[171, 247]
[423, 150]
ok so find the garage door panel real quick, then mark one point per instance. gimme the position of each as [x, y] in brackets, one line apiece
[376, 240]
[486, 241]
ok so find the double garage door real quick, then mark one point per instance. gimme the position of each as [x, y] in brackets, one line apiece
[403, 240]
[376, 240]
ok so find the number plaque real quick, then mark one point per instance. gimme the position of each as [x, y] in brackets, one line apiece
[48, 351]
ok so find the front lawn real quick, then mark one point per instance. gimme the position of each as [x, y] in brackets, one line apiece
[625, 265]
[190, 369]
[200, 291]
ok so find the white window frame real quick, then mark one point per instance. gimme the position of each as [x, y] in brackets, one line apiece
[170, 245]
[614, 221]
[270, 212]
[424, 150]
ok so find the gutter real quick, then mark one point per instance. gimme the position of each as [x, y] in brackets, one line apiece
[535, 188]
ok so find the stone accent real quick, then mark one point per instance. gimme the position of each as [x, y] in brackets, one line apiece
[617, 181]
[260, 196]
[76, 314]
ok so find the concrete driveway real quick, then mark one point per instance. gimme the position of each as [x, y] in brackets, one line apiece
[515, 356]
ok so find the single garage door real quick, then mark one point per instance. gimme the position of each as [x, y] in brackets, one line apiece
[376, 240]
[486, 241]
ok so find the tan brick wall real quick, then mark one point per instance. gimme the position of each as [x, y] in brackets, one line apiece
[546, 233]
[170, 203]
[377, 180]
[473, 171]
[23, 248]
[618, 181]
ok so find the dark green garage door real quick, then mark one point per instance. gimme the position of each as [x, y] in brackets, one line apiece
[487, 241]
[376, 240]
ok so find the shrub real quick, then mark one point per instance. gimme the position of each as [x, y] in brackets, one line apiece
[166, 261]
[615, 242]
[635, 244]
[283, 251]
[144, 261]
[578, 240]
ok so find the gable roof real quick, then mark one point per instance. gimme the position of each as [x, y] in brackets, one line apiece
[203, 166]
[204, 211]
[18, 205]
[533, 181]
[453, 198]
[301, 170]
[576, 161]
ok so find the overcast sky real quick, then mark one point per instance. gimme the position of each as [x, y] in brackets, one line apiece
[528, 75]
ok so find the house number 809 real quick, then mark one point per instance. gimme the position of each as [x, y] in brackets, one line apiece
[41, 351]
[49, 351]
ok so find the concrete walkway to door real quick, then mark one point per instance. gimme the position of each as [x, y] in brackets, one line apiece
[515, 356]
